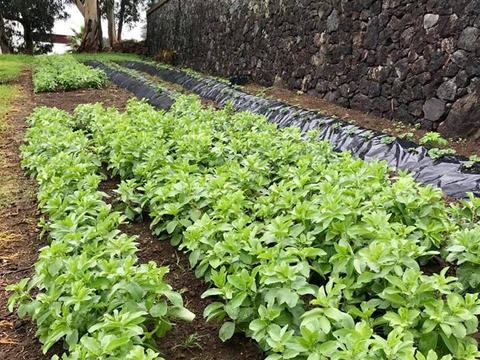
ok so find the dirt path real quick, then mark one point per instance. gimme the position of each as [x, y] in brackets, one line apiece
[19, 241]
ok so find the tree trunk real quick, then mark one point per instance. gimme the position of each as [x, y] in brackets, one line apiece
[28, 37]
[121, 18]
[4, 44]
[112, 34]
[92, 38]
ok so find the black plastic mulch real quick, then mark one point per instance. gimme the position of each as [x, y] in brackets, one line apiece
[141, 89]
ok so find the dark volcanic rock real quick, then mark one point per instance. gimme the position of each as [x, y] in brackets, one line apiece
[464, 117]
[358, 53]
[433, 109]
[447, 91]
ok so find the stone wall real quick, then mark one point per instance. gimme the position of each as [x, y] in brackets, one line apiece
[412, 60]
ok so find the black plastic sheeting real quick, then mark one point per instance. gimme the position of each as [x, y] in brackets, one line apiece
[446, 173]
[141, 89]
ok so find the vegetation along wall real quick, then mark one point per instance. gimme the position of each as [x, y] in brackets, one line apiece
[412, 60]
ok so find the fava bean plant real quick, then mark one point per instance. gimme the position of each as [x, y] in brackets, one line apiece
[314, 254]
[88, 290]
[63, 73]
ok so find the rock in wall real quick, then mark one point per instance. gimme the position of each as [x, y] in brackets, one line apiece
[412, 60]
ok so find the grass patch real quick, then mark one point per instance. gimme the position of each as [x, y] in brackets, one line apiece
[7, 94]
[11, 66]
[106, 57]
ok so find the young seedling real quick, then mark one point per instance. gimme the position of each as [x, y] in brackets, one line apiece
[436, 153]
[433, 138]
[472, 160]
[191, 342]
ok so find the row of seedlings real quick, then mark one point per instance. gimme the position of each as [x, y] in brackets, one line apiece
[88, 291]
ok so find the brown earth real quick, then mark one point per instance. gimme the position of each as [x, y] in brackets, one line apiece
[19, 240]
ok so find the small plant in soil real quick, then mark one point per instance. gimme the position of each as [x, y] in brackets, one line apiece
[191, 342]
[433, 138]
[410, 136]
[368, 135]
[351, 130]
[472, 160]
[387, 140]
[437, 153]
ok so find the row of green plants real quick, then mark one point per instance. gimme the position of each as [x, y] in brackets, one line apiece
[314, 254]
[64, 73]
[88, 290]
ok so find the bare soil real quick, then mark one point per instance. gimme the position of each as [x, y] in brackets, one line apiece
[19, 240]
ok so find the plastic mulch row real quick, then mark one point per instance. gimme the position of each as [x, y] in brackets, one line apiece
[141, 89]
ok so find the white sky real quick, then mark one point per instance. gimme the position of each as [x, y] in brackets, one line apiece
[75, 21]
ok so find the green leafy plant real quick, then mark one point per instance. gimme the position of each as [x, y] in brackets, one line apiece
[472, 160]
[63, 72]
[387, 140]
[433, 138]
[312, 253]
[436, 153]
[88, 290]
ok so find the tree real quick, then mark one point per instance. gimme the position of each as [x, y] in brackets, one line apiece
[107, 10]
[110, 13]
[92, 38]
[129, 13]
[4, 42]
[37, 18]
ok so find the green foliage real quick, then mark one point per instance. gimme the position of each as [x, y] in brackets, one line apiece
[436, 153]
[88, 290]
[387, 140]
[312, 253]
[433, 138]
[7, 94]
[105, 56]
[410, 136]
[472, 160]
[63, 72]
[11, 66]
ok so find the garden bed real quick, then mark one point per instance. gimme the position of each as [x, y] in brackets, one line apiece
[448, 173]
[292, 244]
[199, 341]
[242, 199]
